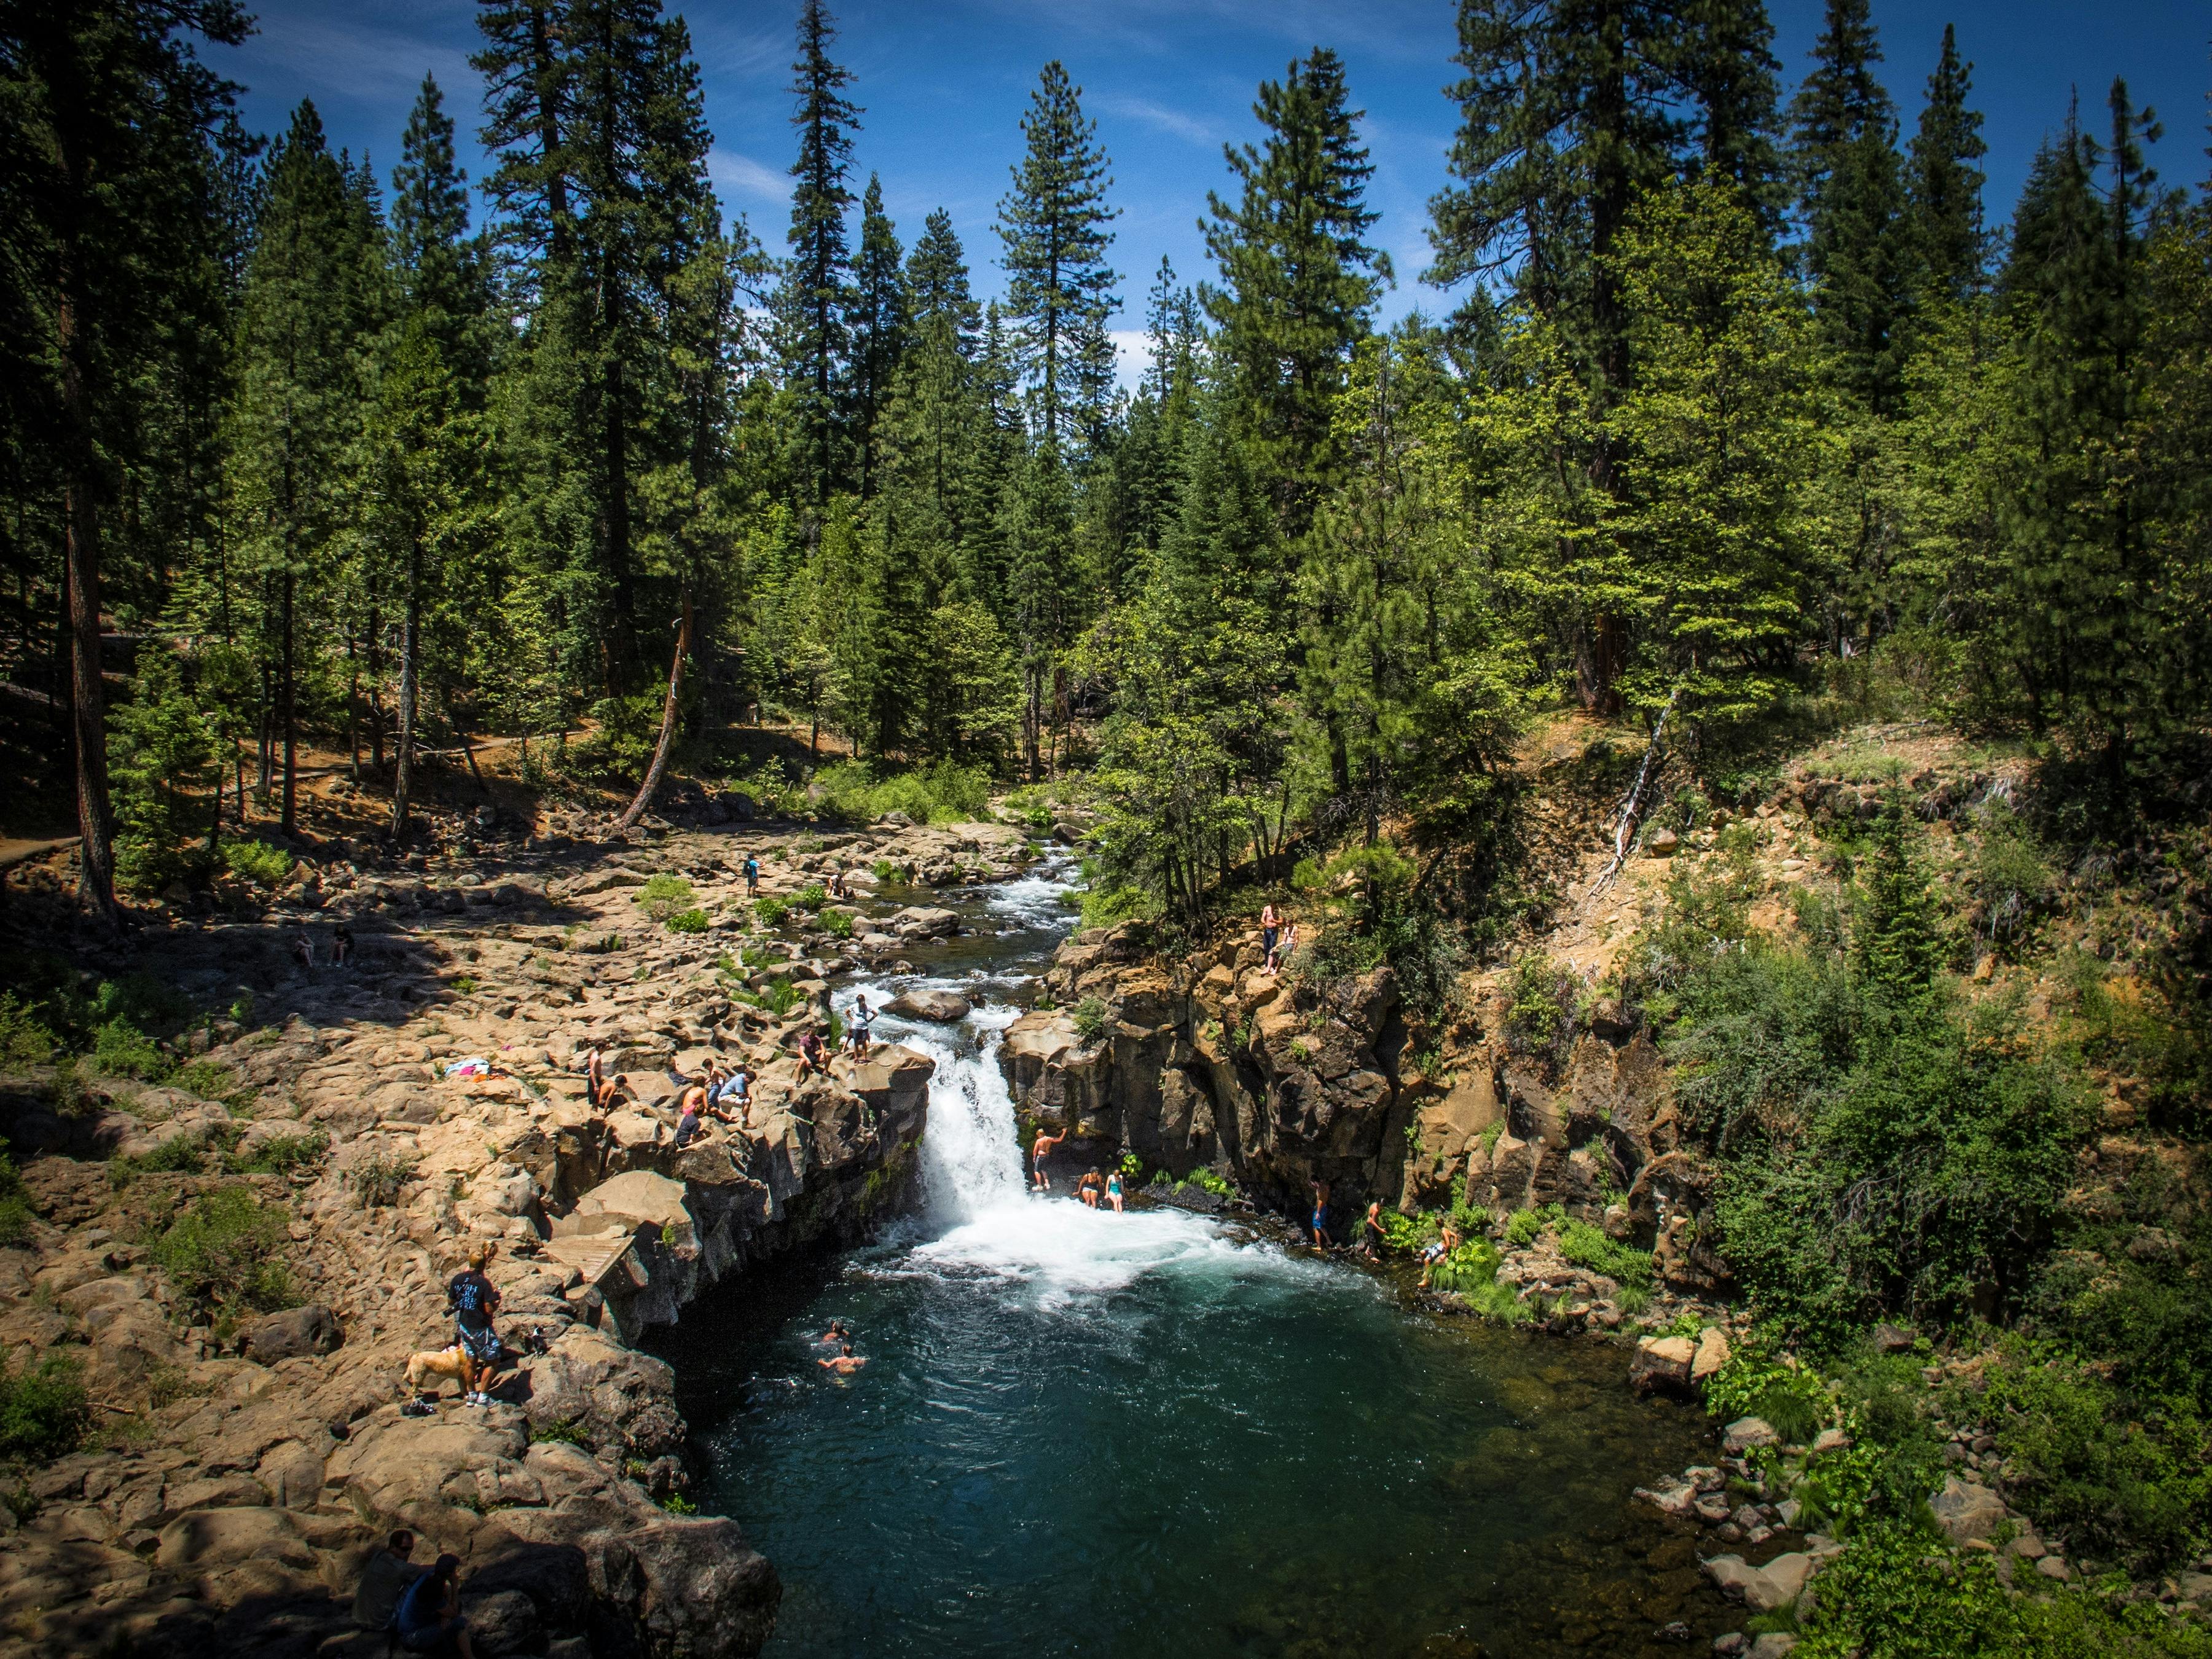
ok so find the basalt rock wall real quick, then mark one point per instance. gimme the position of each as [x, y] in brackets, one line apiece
[1278, 1080]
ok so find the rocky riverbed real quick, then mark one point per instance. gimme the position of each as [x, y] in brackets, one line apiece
[243, 1469]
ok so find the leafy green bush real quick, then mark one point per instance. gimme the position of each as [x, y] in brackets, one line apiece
[1089, 1019]
[1586, 1246]
[228, 1253]
[1106, 906]
[15, 1212]
[689, 922]
[1543, 1008]
[44, 1413]
[1522, 1229]
[809, 897]
[838, 924]
[258, 862]
[884, 871]
[25, 1039]
[771, 911]
[121, 1049]
[619, 747]
[1494, 1299]
[377, 1178]
[177, 1155]
[210, 1079]
[664, 895]
[1212, 1183]
[1755, 1383]
[859, 792]
[1467, 1269]
[283, 1154]
[781, 997]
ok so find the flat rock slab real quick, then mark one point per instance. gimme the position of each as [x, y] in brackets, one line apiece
[941, 1007]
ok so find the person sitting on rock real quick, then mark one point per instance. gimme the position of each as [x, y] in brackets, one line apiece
[1089, 1189]
[688, 1108]
[341, 946]
[303, 951]
[428, 1618]
[727, 1102]
[812, 1058]
[384, 1580]
[474, 1299]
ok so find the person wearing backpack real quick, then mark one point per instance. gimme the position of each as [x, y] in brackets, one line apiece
[428, 1617]
[474, 1300]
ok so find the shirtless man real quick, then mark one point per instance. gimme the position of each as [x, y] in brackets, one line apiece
[844, 1363]
[1043, 1144]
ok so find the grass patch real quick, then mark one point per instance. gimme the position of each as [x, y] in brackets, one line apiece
[177, 1155]
[256, 862]
[43, 1413]
[283, 1154]
[694, 920]
[377, 1179]
[1089, 1019]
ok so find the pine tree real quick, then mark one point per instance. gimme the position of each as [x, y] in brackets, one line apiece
[1945, 185]
[878, 321]
[105, 160]
[1299, 279]
[816, 341]
[1059, 287]
[439, 269]
[306, 320]
[1851, 199]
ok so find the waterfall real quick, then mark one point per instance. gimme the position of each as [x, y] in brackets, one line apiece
[971, 1161]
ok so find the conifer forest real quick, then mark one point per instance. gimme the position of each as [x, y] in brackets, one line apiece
[1748, 489]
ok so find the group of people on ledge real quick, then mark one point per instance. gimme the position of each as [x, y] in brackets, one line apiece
[1096, 1188]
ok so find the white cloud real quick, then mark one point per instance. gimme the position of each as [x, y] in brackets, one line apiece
[746, 176]
[1157, 115]
[358, 60]
[1133, 354]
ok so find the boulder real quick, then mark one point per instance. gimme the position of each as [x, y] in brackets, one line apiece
[1762, 1589]
[618, 1399]
[313, 1329]
[1712, 1353]
[207, 1538]
[1774, 1645]
[1670, 1497]
[634, 1199]
[1746, 1433]
[1965, 1509]
[1661, 1361]
[938, 1006]
[1661, 843]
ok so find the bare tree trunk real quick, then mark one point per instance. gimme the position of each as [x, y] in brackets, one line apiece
[404, 771]
[289, 818]
[652, 772]
[96, 854]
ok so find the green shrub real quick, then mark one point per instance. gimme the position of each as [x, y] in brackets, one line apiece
[809, 897]
[1586, 1246]
[619, 747]
[689, 922]
[664, 895]
[258, 862]
[377, 1178]
[566, 1432]
[25, 1039]
[1494, 1299]
[885, 870]
[228, 1253]
[772, 912]
[44, 1413]
[838, 924]
[1468, 1269]
[780, 996]
[210, 1079]
[1206, 1178]
[1109, 906]
[1521, 1231]
[859, 792]
[1632, 1299]
[1755, 1383]
[1089, 1019]
[283, 1154]
[177, 1155]
[121, 1049]
[1543, 1008]
[15, 1212]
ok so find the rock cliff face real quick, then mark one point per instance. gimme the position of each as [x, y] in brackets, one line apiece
[1278, 1080]
[260, 1463]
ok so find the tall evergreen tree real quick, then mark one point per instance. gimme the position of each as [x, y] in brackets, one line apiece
[812, 304]
[439, 267]
[1299, 279]
[1054, 226]
[1851, 199]
[877, 319]
[104, 160]
[1950, 246]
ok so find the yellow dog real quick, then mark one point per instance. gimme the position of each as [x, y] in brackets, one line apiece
[438, 1362]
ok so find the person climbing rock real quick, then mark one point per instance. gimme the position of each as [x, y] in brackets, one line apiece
[474, 1299]
[1043, 1144]
[1319, 1224]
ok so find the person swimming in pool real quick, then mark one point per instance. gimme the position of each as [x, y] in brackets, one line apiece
[843, 1364]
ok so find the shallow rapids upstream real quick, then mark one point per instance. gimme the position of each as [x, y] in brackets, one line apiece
[1085, 1433]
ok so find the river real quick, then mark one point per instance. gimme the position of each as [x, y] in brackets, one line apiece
[1089, 1434]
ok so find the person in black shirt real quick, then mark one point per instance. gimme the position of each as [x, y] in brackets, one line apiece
[475, 1299]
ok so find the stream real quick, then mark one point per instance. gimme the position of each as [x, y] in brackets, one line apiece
[1085, 1433]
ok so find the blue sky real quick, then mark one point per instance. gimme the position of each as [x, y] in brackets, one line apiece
[1169, 81]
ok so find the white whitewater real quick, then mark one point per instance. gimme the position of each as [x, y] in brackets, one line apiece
[982, 1220]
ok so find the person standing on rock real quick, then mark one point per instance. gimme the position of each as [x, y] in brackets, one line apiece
[1271, 928]
[752, 877]
[1043, 1144]
[862, 1017]
[475, 1299]
[1375, 1237]
[1320, 1224]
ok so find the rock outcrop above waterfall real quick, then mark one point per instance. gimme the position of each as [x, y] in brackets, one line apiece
[1278, 1079]
[261, 1459]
